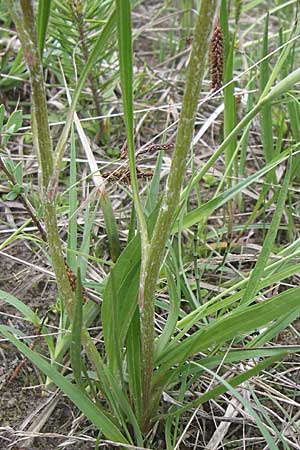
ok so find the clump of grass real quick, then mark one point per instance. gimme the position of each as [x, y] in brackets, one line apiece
[121, 388]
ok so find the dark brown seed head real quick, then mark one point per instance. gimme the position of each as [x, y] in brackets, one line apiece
[216, 58]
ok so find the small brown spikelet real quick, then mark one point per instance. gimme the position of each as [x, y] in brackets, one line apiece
[238, 10]
[216, 58]
[73, 281]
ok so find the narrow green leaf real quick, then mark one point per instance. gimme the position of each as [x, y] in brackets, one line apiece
[2, 112]
[231, 383]
[120, 295]
[111, 227]
[282, 87]
[75, 350]
[174, 296]
[207, 208]
[72, 234]
[262, 260]
[113, 391]
[99, 47]
[42, 23]
[229, 98]
[94, 414]
[20, 306]
[266, 111]
[155, 185]
[133, 357]
[234, 324]
[229, 386]
[123, 8]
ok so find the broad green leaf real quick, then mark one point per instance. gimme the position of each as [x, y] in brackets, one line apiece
[120, 295]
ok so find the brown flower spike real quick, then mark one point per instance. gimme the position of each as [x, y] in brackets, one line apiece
[216, 58]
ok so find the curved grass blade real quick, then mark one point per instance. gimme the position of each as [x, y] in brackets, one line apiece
[93, 413]
[113, 391]
[262, 260]
[280, 88]
[230, 385]
[100, 45]
[236, 323]
[207, 208]
[20, 306]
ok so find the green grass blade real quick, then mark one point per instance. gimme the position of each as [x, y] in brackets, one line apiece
[72, 234]
[229, 386]
[262, 260]
[102, 41]
[280, 88]
[2, 113]
[223, 388]
[154, 186]
[216, 304]
[111, 227]
[42, 23]
[133, 357]
[207, 208]
[89, 218]
[94, 414]
[20, 306]
[229, 99]
[274, 329]
[237, 323]
[126, 74]
[113, 391]
[266, 111]
[75, 349]
[174, 296]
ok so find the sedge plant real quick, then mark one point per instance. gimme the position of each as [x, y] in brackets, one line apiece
[122, 388]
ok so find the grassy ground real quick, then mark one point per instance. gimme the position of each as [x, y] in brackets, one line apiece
[224, 369]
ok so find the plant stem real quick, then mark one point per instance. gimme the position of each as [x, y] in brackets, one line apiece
[25, 24]
[195, 72]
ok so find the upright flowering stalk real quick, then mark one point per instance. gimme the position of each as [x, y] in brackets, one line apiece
[23, 15]
[195, 72]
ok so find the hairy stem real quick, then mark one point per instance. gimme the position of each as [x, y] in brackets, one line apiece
[23, 15]
[195, 72]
